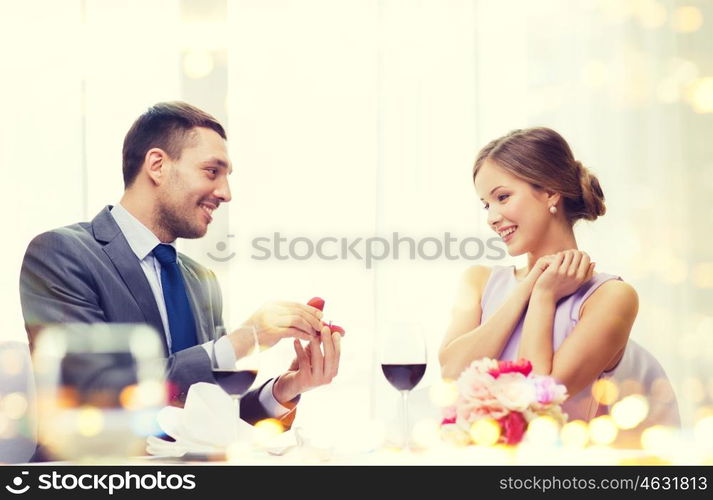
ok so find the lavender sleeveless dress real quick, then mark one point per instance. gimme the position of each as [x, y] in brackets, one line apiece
[501, 282]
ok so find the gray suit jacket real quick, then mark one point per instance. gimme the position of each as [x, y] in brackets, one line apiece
[87, 273]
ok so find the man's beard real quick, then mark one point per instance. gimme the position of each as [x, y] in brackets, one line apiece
[179, 222]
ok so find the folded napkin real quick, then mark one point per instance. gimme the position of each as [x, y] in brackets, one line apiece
[207, 424]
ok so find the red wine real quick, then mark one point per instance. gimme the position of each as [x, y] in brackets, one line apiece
[235, 382]
[404, 377]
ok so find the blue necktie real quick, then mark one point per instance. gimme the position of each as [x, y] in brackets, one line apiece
[178, 308]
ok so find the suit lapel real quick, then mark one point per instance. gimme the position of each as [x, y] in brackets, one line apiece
[197, 296]
[118, 250]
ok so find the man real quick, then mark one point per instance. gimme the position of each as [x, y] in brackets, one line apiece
[122, 267]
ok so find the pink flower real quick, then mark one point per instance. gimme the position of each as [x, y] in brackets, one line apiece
[521, 366]
[472, 411]
[476, 399]
[506, 391]
[548, 391]
[449, 415]
[514, 391]
[513, 427]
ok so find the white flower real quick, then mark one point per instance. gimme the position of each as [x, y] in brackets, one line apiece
[483, 365]
[554, 411]
[455, 435]
[482, 395]
[514, 391]
[475, 386]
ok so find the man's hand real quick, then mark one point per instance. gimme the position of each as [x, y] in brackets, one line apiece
[277, 320]
[312, 367]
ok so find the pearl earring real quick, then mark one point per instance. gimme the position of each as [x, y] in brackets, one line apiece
[553, 210]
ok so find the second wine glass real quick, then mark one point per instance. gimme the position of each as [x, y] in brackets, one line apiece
[403, 362]
[237, 378]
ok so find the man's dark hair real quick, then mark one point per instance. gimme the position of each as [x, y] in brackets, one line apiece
[166, 125]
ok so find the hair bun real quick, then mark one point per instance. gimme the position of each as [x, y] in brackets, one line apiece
[592, 194]
[541, 157]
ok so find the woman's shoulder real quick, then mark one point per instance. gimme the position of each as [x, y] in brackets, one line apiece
[614, 286]
[476, 276]
[613, 295]
[471, 286]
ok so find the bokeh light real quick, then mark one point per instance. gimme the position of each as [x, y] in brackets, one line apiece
[14, 405]
[687, 19]
[266, 430]
[603, 430]
[684, 70]
[630, 386]
[455, 436]
[151, 393]
[443, 393]
[700, 95]
[128, 398]
[147, 394]
[630, 411]
[485, 432]
[543, 431]
[658, 439]
[681, 75]
[605, 391]
[426, 433]
[575, 434]
[50, 344]
[90, 422]
[650, 13]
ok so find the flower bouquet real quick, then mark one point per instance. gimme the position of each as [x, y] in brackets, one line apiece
[505, 393]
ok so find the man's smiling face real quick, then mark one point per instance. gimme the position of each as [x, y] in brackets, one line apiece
[196, 185]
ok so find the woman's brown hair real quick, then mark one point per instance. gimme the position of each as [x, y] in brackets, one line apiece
[543, 158]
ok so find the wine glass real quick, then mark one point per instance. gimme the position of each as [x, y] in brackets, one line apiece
[99, 388]
[403, 362]
[237, 378]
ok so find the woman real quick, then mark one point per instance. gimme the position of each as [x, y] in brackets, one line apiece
[570, 322]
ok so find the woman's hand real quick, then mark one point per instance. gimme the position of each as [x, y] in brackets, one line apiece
[564, 274]
[539, 268]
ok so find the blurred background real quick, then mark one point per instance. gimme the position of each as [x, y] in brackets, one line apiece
[361, 118]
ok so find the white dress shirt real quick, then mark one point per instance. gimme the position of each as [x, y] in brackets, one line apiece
[142, 242]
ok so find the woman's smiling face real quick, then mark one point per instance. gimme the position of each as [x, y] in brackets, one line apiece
[517, 211]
